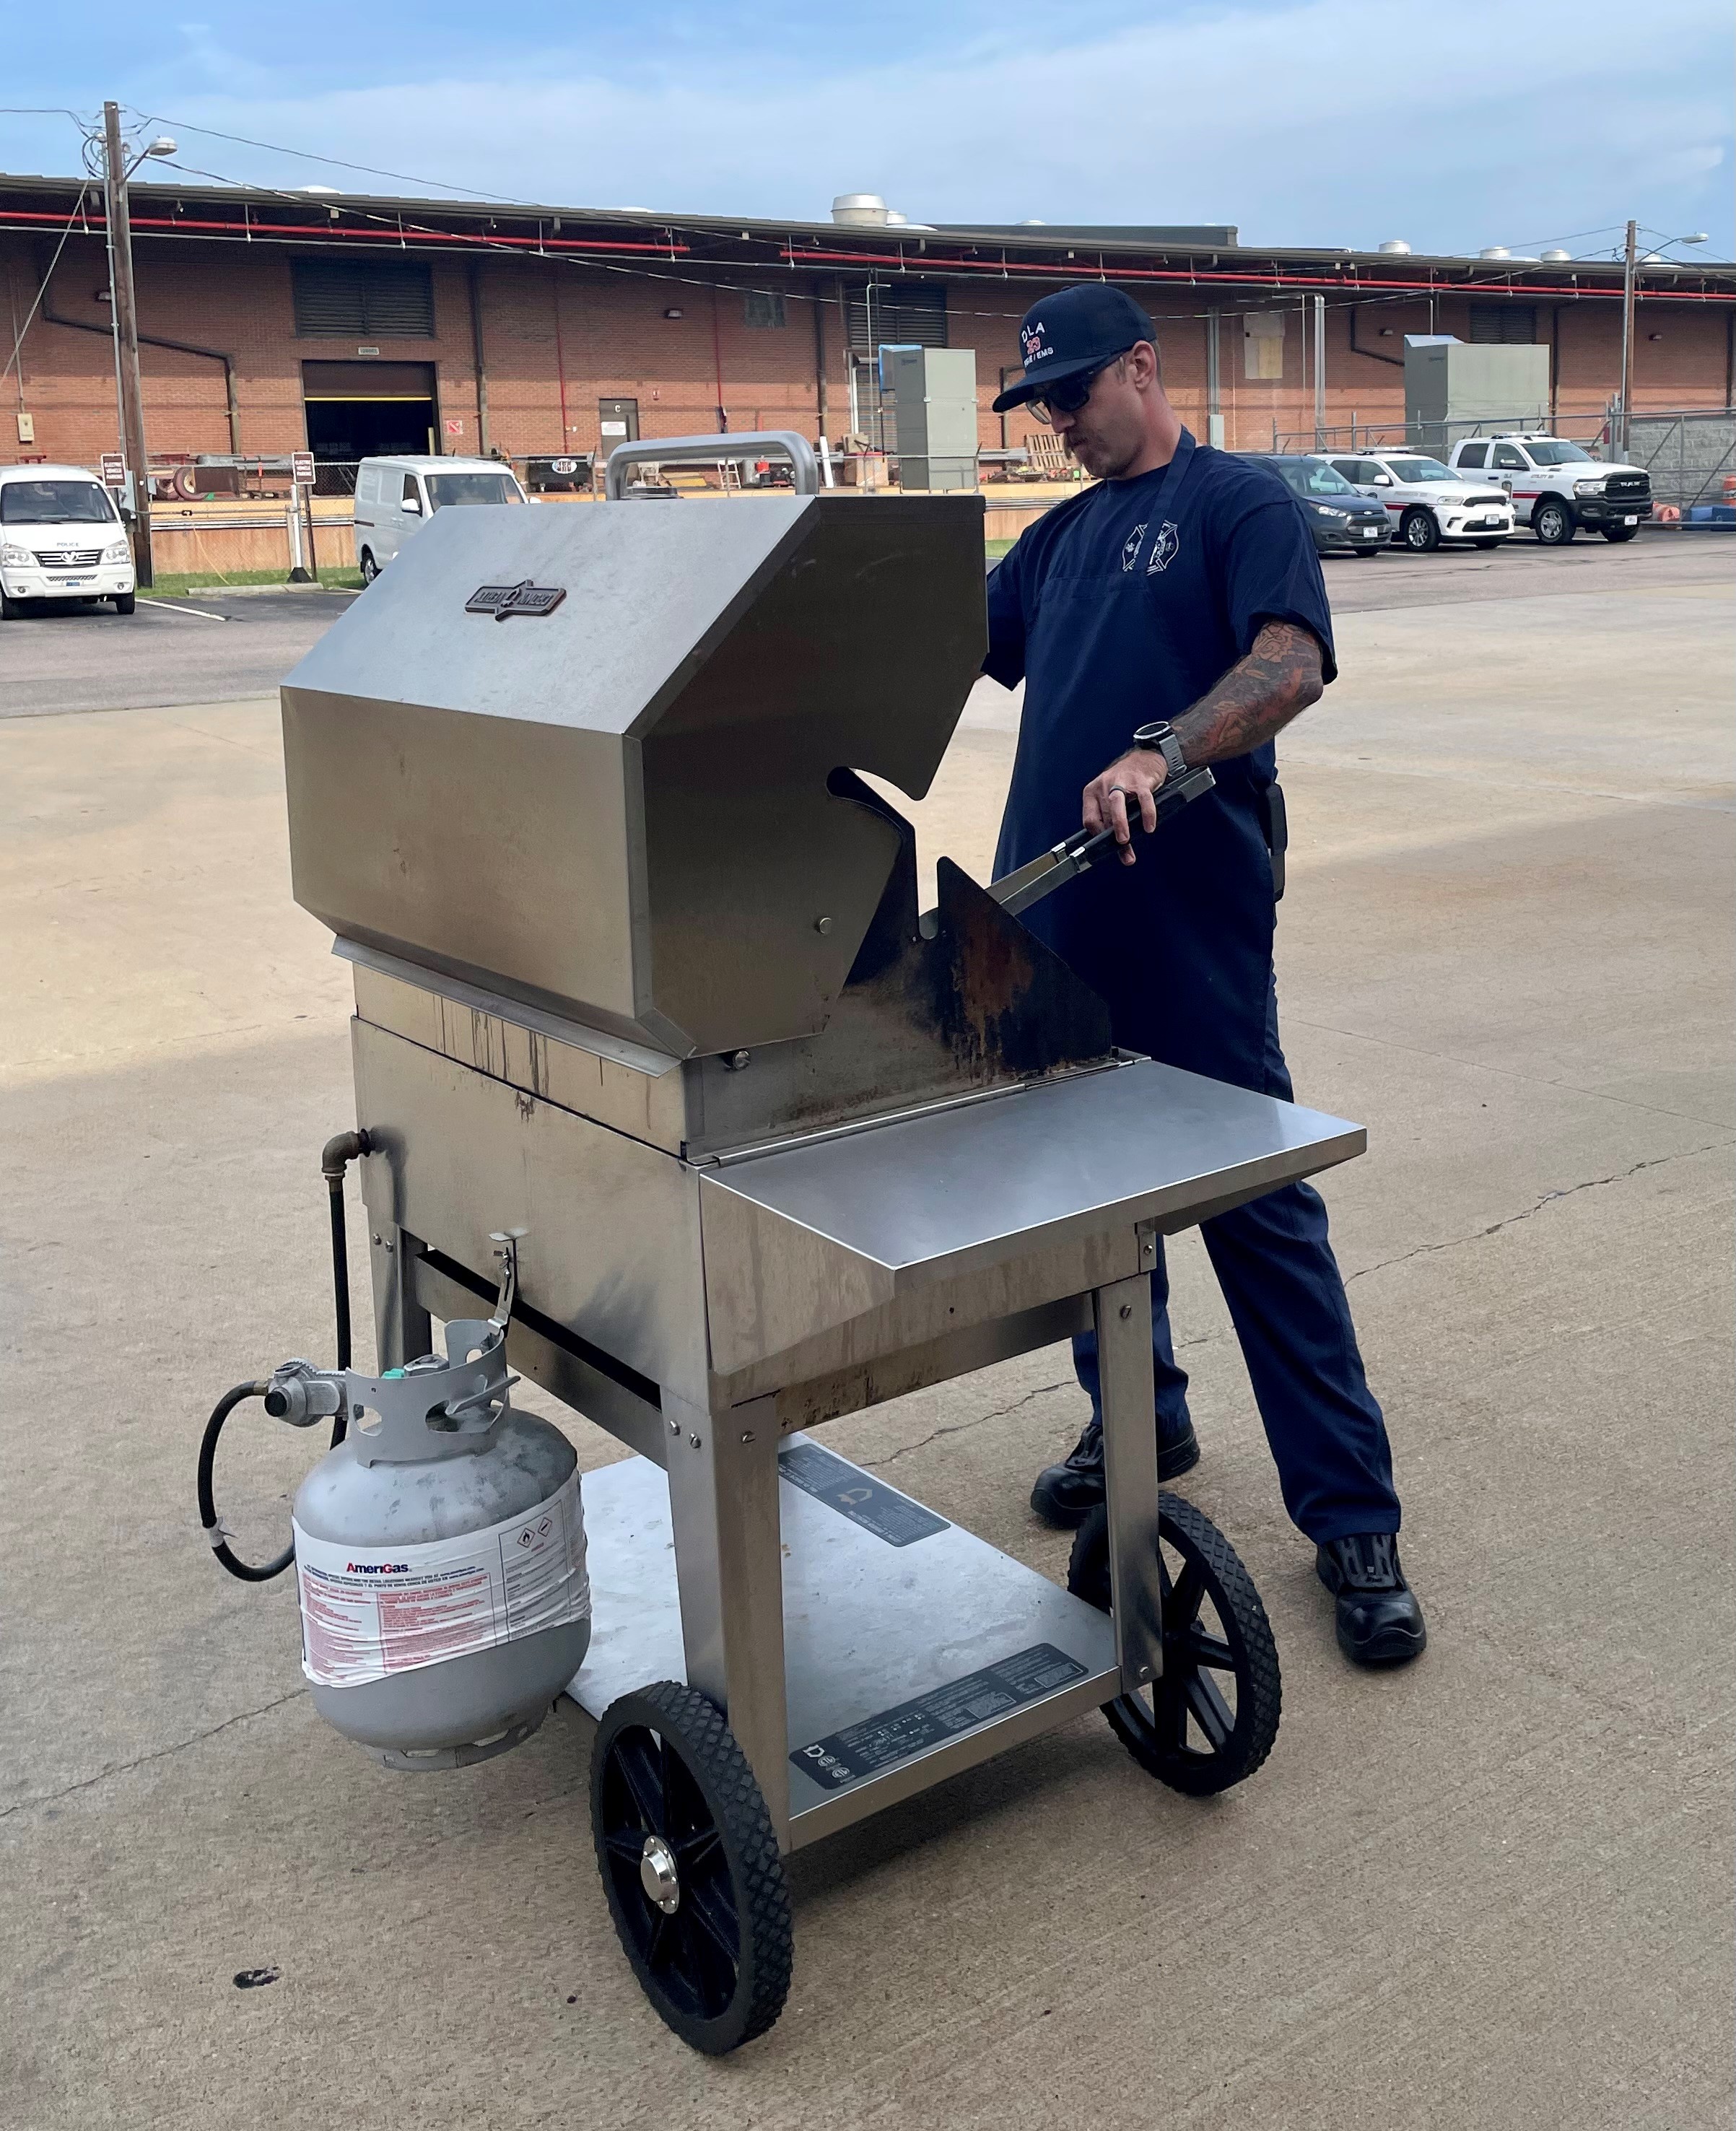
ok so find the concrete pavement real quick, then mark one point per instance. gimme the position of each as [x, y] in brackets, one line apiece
[1490, 1890]
[173, 648]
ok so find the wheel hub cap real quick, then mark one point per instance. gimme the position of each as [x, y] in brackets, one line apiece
[658, 1876]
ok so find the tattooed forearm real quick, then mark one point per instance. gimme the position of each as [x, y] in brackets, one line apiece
[1280, 678]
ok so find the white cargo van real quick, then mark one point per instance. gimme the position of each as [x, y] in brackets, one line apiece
[60, 538]
[394, 496]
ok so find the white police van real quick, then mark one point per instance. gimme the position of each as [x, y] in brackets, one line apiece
[60, 538]
[395, 496]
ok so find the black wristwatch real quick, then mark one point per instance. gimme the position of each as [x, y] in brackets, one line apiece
[1161, 739]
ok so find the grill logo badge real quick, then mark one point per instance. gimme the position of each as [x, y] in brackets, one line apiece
[504, 602]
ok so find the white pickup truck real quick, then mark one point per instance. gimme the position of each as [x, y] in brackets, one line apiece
[1558, 486]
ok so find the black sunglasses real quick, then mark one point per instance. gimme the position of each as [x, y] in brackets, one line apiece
[1070, 398]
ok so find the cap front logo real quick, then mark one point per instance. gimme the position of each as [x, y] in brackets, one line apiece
[1032, 344]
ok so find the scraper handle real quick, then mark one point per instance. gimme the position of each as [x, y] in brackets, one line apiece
[1084, 847]
[1017, 892]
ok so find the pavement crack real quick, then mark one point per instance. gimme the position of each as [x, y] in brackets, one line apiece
[1548, 1199]
[143, 1760]
[958, 1427]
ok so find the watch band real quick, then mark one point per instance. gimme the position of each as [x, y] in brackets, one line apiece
[1161, 739]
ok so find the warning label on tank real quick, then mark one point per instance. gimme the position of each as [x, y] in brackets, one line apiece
[942, 1714]
[370, 1611]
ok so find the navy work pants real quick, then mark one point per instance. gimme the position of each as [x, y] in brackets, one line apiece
[1287, 1301]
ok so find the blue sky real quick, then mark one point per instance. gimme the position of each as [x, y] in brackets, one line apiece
[1453, 123]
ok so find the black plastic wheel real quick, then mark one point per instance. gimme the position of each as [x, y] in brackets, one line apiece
[1211, 1720]
[370, 567]
[690, 1867]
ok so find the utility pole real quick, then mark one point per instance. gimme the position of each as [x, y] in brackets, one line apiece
[1621, 443]
[126, 338]
[1320, 373]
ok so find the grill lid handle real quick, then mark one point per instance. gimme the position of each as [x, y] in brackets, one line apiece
[711, 451]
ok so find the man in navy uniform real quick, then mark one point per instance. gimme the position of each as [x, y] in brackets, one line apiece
[1180, 597]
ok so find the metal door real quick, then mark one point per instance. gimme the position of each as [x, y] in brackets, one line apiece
[617, 423]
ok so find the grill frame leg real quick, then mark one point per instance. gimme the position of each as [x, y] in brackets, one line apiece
[728, 1566]
[1123, 1314]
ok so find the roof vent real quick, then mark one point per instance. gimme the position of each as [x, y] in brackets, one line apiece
[1398, 247]
[336, 189]
[1033, 222]
[1557, 258]
[863, 210]
[1494, 251]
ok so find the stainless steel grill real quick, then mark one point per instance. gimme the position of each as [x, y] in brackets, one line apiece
[69, 559]
[641, 975]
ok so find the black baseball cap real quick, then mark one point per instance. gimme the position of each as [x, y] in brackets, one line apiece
[1074, 330]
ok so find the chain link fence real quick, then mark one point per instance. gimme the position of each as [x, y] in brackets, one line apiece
[1690, 455]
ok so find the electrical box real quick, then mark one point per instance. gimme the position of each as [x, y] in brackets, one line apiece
[936, 389]
[27, 427]
[1452, 390]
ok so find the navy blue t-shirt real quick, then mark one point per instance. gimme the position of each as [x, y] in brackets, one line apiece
[1126, 604]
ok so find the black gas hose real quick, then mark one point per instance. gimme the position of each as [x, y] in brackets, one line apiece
[335, 1157]
[247, 1571]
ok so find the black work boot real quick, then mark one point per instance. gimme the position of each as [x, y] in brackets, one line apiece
[1066, 1494]
[1380, 1621]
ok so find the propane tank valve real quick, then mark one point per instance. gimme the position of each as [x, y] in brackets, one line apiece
[301, 1394]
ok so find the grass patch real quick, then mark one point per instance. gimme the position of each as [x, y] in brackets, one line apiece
[997, 548]
[169, 582]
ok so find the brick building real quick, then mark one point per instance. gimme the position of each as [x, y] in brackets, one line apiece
[275, 321]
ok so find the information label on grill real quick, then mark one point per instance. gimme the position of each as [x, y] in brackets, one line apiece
[932, 1718]
[882, 1511]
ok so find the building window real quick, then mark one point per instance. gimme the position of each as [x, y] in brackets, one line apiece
[1262, 344]
[1503, 325]
[362, 299]
[760, 309]
[896, 313]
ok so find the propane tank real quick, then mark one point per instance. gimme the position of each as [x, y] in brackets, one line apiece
[439, 1553]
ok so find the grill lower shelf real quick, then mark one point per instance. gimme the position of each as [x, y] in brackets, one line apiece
[912, 1648]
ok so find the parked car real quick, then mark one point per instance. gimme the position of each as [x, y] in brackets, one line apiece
[1558, 486]
[60, 538]
[395, 496]
[1426, 503]
[1341, 521]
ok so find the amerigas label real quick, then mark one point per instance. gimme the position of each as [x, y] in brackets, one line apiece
[369, 1611]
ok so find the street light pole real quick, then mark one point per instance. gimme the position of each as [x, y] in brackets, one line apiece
[126, 337]
[1621, 443]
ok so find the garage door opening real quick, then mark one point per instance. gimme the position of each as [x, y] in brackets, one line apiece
[360, 410]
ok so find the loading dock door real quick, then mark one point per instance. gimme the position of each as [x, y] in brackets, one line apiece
[359, 410]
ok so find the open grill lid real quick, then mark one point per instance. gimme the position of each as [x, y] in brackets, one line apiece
[615, 805]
